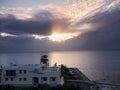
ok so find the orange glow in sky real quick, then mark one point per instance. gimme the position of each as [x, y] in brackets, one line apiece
[57, 37]
[62, 37]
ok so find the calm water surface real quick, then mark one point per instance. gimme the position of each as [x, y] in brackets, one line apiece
[99, 66]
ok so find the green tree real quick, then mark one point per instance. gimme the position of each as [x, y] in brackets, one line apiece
[66, 73]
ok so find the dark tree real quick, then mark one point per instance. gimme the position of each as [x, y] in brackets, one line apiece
[44, 59]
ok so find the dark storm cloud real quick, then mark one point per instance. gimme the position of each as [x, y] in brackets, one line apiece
[39, 24]
[102, 19]
[4, 20]
[29, 27]
[107, 37]
[105, 33]
[15, 44]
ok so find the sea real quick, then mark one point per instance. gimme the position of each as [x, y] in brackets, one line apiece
[99, 66]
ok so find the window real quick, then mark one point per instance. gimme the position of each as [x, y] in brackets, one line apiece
[20, 79]
[10, 72]
[20, 71]
[25, 71]
[25, 79]
[11, 79]
[44, 78]
[6, 79]
[53, 78]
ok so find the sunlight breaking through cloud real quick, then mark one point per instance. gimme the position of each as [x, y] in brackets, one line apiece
[38, 36]
[62, 37]
[3, 34]
[56, 37]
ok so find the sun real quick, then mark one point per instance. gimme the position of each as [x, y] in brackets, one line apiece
[57, 37]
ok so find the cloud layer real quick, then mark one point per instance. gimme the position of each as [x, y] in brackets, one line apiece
[84, 25]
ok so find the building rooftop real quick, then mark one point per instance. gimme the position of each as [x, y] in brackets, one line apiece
[34, 66]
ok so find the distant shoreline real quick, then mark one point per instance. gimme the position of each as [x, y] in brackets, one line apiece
[116, 50]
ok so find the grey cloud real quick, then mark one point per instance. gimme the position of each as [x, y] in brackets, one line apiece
[106, 37]
[29, 27]
[101, 19]
[43, 15]
[41, 23]
[103, 38]
[15, 44]
[16, 26]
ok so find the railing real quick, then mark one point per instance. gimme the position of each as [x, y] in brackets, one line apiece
[78, 82]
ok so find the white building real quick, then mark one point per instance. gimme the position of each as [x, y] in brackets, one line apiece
[28, 75]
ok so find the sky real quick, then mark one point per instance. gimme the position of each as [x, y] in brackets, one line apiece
[59, 25]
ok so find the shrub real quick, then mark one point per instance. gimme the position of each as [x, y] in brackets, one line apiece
[7, 87]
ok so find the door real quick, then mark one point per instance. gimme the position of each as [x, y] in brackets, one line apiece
[35, 80]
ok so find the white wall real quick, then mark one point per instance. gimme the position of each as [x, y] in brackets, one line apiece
[29, 76]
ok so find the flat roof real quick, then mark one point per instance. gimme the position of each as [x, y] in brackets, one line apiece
[34, 66]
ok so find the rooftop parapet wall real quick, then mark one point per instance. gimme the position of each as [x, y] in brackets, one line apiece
[42, 67]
